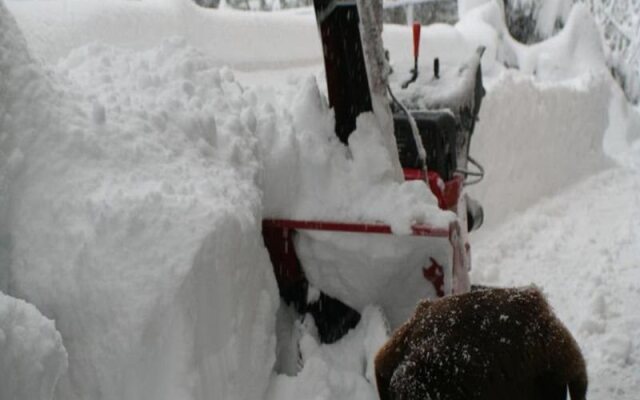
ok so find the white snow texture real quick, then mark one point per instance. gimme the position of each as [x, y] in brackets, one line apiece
[136, 225]
[32, 356]
[135, 171]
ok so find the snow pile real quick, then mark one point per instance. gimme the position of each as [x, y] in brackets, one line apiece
[134, 219]
[341, 371]
[310, 174]
[32, 356]
[312, 120]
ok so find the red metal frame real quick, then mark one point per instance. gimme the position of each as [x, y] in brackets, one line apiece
[354, 227]
[278, 236]
[447, 193]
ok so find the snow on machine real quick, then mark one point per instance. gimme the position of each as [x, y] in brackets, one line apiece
[434, 113]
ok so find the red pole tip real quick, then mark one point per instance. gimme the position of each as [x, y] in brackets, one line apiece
[416, 39]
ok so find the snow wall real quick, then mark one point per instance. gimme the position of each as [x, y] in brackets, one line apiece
[133, 219]
[535, 140]
[32, 356]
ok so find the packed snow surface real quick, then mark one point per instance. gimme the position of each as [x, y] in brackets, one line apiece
[135, 170]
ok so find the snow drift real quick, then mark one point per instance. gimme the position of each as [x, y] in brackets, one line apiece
[133, 220]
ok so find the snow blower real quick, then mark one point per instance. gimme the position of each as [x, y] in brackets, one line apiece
[444, 124]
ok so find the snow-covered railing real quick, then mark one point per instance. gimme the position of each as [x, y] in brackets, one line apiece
[609, 19]
[620, 25]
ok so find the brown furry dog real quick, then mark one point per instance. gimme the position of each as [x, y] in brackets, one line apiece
[493, 344]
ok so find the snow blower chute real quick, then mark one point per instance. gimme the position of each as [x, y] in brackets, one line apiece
[444, 124]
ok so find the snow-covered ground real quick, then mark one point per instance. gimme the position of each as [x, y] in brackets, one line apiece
[582, 248]
[135, 170]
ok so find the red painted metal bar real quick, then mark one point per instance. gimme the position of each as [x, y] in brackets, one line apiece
[447, 193]
[418, 229]
[413, 174]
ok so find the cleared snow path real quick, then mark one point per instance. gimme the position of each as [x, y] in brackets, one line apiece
[582, 248]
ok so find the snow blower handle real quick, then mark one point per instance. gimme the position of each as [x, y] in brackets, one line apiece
[416, 52]
[416, 44]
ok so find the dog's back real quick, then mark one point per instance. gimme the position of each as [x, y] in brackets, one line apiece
[491, 344]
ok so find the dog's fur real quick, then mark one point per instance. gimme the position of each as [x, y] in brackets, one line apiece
[493, 344]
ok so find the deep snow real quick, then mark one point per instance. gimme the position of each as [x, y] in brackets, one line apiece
[129, 219]
[134, 182]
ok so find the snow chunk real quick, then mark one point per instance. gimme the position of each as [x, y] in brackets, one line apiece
[340, 371]
[32, 356]
[372, 269]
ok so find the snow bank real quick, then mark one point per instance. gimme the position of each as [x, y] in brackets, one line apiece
[134, 220]
[536, 147]
[32, 356]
